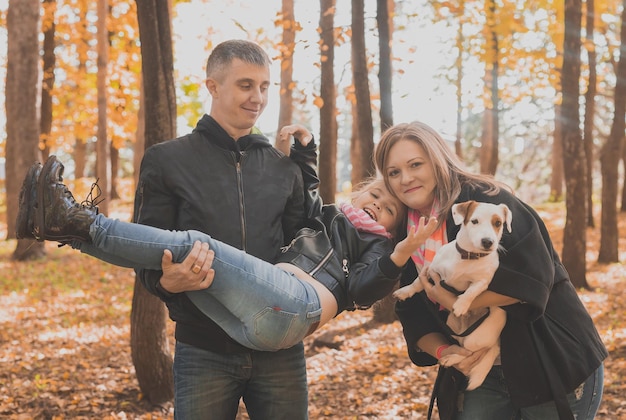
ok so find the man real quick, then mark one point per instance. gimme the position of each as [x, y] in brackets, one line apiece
[229, 182]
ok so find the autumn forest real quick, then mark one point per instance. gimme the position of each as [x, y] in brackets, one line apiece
[530, 91]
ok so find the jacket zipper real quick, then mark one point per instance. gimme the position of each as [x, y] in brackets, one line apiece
[319, 265]
[242, 209]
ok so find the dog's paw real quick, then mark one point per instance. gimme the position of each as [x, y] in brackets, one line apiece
[404, 293]
[461, 306]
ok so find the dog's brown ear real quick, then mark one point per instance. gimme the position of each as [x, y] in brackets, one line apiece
[508, 216]
[460, 211]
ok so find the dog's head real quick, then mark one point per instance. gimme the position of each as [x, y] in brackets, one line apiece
[482, 224]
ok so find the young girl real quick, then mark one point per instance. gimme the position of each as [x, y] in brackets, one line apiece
[343, 259]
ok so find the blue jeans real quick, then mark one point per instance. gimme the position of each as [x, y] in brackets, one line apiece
[208, 385]
[261, 306]
[491, 400]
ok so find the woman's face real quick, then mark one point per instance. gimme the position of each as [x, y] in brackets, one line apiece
[411, 176]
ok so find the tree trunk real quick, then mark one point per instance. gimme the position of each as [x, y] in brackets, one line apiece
[115, 166]
[80, 156]
[590, 107]
[556, 180]
[328, 108]
[384, 309]
[287, 46]
[149, 341]
[611, 153]
[21, 112]
[491, 129]
[103, 168]
[623, 208]
[385, 70]
[460, 45]
[140, 140]
[47, 85]
[574, 235]
[360, 80]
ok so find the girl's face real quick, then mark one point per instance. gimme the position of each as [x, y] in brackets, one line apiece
[380, 205]
[411, 176]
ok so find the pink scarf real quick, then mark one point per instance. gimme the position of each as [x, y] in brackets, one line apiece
[424, 255]
[362, 221]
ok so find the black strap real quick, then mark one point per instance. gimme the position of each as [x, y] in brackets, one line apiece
[556, 385]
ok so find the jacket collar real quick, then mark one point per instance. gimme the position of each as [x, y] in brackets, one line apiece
[214, 132]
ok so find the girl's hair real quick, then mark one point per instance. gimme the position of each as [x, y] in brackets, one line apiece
[224, 53]
[364, 186]
[450, 176]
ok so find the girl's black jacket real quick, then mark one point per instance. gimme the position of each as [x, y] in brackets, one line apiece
[549, 342]
[355, 266]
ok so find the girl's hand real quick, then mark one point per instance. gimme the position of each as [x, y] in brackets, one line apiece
[416, 236]
[299, 132]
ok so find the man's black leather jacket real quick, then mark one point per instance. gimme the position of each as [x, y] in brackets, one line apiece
[244, 193]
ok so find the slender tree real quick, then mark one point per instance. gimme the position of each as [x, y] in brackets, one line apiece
[385, 71]
[49, 61]
[610, 157]
[21, 111]
[590, 105]
[460, 45]
[623, 207]
[556, 179]
[491, 128]
[287, 47]
[363, 164]
[328, 107]
[103, 168]
[149, 341]
[574, 235]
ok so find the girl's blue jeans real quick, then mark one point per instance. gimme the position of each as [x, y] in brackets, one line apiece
[258, 304]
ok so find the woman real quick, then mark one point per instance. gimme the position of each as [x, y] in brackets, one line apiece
[551, 354]
[343, 260]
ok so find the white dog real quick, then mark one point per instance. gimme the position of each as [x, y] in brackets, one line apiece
[467, 264]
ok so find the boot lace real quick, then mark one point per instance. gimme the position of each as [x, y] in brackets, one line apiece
[91, 200]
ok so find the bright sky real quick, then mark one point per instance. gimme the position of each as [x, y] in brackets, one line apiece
[415, 93]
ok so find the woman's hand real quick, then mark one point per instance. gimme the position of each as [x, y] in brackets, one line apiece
[434, 291]
[470, 360]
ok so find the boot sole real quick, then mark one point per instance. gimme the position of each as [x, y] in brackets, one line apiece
[44, 179]
[27, 200]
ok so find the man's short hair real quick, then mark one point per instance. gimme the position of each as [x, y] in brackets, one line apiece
[224, 53]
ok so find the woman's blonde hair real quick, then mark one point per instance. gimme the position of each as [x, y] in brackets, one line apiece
[449, 173]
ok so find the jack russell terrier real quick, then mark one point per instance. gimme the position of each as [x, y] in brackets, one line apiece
[467, 265]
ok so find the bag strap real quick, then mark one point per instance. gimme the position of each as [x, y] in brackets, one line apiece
[556, 385]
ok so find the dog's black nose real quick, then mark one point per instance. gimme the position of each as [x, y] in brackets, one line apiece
[486, 243]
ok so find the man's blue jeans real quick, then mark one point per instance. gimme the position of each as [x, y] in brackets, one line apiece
[261, 306]
[491, 401]
[209, 385]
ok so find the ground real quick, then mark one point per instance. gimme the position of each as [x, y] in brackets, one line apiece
[64, 344]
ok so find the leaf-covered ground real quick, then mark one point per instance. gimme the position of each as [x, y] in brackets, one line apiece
[64, 344]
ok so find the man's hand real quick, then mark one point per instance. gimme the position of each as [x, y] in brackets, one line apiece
[194, 273]
[299, 132]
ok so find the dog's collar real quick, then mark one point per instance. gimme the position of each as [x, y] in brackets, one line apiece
[467, 255]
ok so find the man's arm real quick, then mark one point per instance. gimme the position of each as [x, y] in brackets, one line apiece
[154, 207]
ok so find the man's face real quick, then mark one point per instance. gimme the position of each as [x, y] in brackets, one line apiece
[239, 96]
